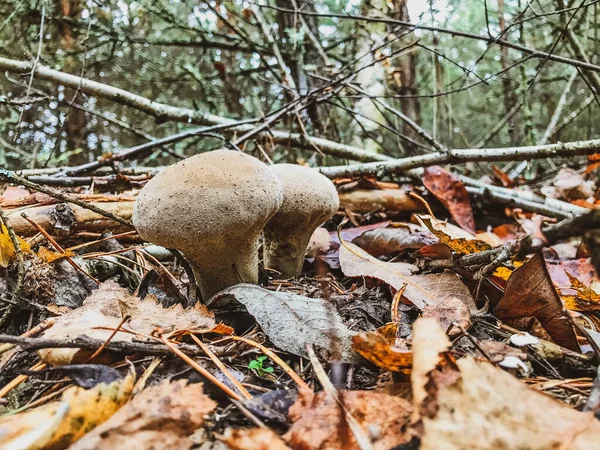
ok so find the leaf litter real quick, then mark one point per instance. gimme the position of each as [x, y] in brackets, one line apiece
[424, 351]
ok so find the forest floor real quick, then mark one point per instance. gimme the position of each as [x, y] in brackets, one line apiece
[423, 318]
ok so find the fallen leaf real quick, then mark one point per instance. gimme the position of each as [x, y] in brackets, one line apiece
[50, 256]
[429, 341]
[380, 349]
[161, 416]
[103, 311]
[332, 257]
[457, 239]
[291, 321]
[530, 293]
[319, 425]
[57, 425]
[509, 232]
[7, 248]
[319, 243]
[497, 351]
[421, 290]
[452, 311]
[387, 241]
[581, 268]
[587, 300]
[489, 238]
[504, 179]
[254, 439]
[489, 409]
[434, 251]
[452, 193]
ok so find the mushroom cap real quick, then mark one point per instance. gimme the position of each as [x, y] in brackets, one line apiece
[309, 197]
[204, 204]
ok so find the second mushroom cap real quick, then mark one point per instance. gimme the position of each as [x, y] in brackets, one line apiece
[309, 199]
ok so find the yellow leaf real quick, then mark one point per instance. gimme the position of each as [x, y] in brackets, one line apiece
[50, 256]
[7, 248]
[57, 425]
[586, 300]
[457, 239]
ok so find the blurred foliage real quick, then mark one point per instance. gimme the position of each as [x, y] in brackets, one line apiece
[214, 56]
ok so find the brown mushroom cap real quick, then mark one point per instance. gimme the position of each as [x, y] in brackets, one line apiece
[309, 199]
[212, 207]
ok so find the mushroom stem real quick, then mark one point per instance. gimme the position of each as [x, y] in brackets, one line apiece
[284, 251]
[214, 275]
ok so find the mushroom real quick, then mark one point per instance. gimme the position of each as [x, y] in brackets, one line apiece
[309, 199]
[212, 207]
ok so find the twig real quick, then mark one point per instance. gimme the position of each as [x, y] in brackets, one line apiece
[30, 333]
[205, 373]
[362, 440]
[58, 248]
[221, 367]
[142, 149]
[276, 359]
[20, 379]
[12, 177]
[456, 33]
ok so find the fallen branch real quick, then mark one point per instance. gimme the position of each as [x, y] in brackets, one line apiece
[455, 156]
[87, 343]
[83, 218]
[11, 177]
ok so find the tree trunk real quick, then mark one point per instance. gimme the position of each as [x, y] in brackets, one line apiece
[405, 73]
[75, 122]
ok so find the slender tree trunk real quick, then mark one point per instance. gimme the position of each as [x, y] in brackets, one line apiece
[75, 122]
[295, 58]
[405, 72]
[510, 98]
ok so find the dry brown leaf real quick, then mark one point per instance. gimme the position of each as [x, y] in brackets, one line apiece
[380, 349]
[497, 351]
[421, 290]
[489, 409]
[386, 241]
[161, 416]
[452, 311]
[103, 311]
[318, 424]
[434, 251]
[56, 425]
[254, 439]
[429, 340]
[451, 192]
[530, 293]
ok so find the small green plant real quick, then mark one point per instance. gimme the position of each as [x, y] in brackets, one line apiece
[257, 366]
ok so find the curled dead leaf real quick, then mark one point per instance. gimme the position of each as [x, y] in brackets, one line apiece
[452, 193]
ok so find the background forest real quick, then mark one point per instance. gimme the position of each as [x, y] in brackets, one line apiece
[353, 72]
